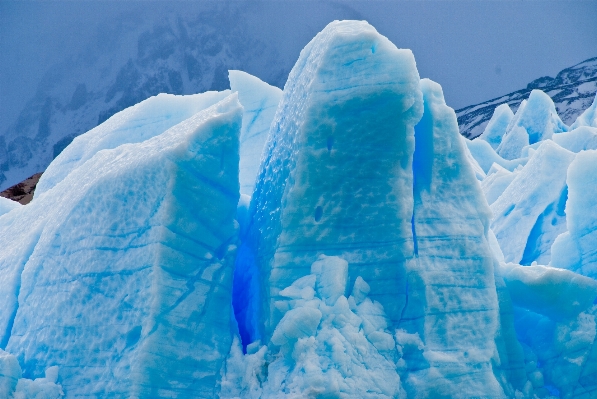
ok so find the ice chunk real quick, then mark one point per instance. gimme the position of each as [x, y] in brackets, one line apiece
[135, 124]
[126, 282]
[529, 215]
[452, 303]
[536, 120]
[336, 176]
[318, 350]
[13, 386]
[7, 205]
[332, 276]
[10, 372]
[581, 208]
[587, 118]
[496, 128]
[260, 102]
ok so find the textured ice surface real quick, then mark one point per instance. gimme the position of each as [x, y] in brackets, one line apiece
[529, 214]
[452, 301]
[125, 283]
[260, 102]
[7, 205]
[352, 92]
[132, 125]
[535, 120]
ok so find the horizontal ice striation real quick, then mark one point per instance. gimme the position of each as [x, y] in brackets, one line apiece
[132, 125]
[260, 102]
[452, 302]
[535, 120]
[336, 175]
[529, 214]
[125, 283]
[576, 249]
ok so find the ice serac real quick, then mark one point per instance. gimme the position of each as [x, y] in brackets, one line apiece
[336, 175]
[575, 249]
[529, 214]
[132, 125]
[496, 128]
[587, 118]
[126, 282]
[452, 301]
[260, 102]
[535, 120]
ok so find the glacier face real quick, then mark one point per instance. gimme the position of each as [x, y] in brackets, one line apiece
[380, 254]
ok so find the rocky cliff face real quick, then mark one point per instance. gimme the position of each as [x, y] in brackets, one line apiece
[572, 91]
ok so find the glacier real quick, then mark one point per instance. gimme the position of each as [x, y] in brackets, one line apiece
[336, 239]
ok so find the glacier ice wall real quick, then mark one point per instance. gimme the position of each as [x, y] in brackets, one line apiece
[126, 285]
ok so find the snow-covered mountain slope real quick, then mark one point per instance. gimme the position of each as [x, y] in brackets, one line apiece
[130, 60]
[572, 91]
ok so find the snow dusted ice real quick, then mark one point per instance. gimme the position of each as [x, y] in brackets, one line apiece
[336, 239]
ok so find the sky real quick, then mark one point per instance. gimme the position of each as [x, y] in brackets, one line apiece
[475, 50]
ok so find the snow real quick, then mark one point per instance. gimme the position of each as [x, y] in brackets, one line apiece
[260, 102]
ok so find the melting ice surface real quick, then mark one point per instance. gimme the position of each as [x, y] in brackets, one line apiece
[338, 239]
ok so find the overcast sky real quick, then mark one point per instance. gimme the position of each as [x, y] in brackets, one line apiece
[475, 50]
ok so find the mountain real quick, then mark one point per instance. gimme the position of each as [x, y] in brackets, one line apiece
[572, 91]
[131, 59]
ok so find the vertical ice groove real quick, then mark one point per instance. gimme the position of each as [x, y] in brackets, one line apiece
[313, 197]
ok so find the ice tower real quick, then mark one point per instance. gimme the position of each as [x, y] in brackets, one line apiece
[336, 177]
